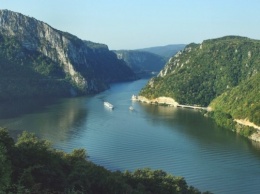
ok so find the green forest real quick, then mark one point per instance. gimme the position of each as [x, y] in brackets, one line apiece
[242, 102]
[31, 165]
[201, 72]
[221, 73]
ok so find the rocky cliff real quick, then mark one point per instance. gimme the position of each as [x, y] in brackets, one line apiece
[88, 67]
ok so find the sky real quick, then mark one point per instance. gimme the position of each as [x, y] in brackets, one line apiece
[134, 24]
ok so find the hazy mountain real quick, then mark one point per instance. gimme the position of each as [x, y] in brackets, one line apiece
[165, 51]
[38, 60]
[148, 60]
[141, 62]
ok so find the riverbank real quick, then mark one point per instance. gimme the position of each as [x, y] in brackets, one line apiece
[256, 135]
[176, 140]
[161, 100]
[166, 101]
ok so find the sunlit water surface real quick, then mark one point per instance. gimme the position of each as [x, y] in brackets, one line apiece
[180, 141]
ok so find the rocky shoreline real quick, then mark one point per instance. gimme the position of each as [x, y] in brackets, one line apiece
[161, 100]
[255, 136]
[166, 101]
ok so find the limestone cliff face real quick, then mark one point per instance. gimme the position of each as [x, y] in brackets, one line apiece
[90, 66]
[175, 63]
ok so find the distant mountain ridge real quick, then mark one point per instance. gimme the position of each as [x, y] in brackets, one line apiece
[148, 60]
[222, 73]
[165, 51]
[51, 56]
[141, 62]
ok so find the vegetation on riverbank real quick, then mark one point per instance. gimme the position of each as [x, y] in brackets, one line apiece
[221, 73]
[241, 102]
[31, 165]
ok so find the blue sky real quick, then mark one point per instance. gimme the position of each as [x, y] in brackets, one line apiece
[132, 24]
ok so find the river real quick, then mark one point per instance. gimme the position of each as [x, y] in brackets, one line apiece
[179, 141]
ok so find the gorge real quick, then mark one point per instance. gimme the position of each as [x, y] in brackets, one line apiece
[39, 62]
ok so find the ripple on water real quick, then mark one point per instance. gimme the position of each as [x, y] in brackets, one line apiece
[179, 141]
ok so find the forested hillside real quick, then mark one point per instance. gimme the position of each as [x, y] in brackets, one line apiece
[37, 60]
[26, 73]
[241, 102]
[201, 72]
[221, 73]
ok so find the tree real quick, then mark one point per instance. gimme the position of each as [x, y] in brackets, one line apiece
[5, 169]
[6, 140]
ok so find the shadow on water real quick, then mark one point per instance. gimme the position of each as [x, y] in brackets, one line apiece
[179, 141]
[15, 108]
[56, 120]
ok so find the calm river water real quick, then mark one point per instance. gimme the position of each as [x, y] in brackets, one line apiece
[179, 141]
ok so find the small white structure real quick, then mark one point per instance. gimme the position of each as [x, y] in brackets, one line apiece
[108, 105]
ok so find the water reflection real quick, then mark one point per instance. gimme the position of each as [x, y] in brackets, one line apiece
[56, 122]
[15, 108]
[199, 128]
[179, 141]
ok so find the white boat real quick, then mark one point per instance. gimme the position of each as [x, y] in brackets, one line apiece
[108, 105]
[131, 108]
